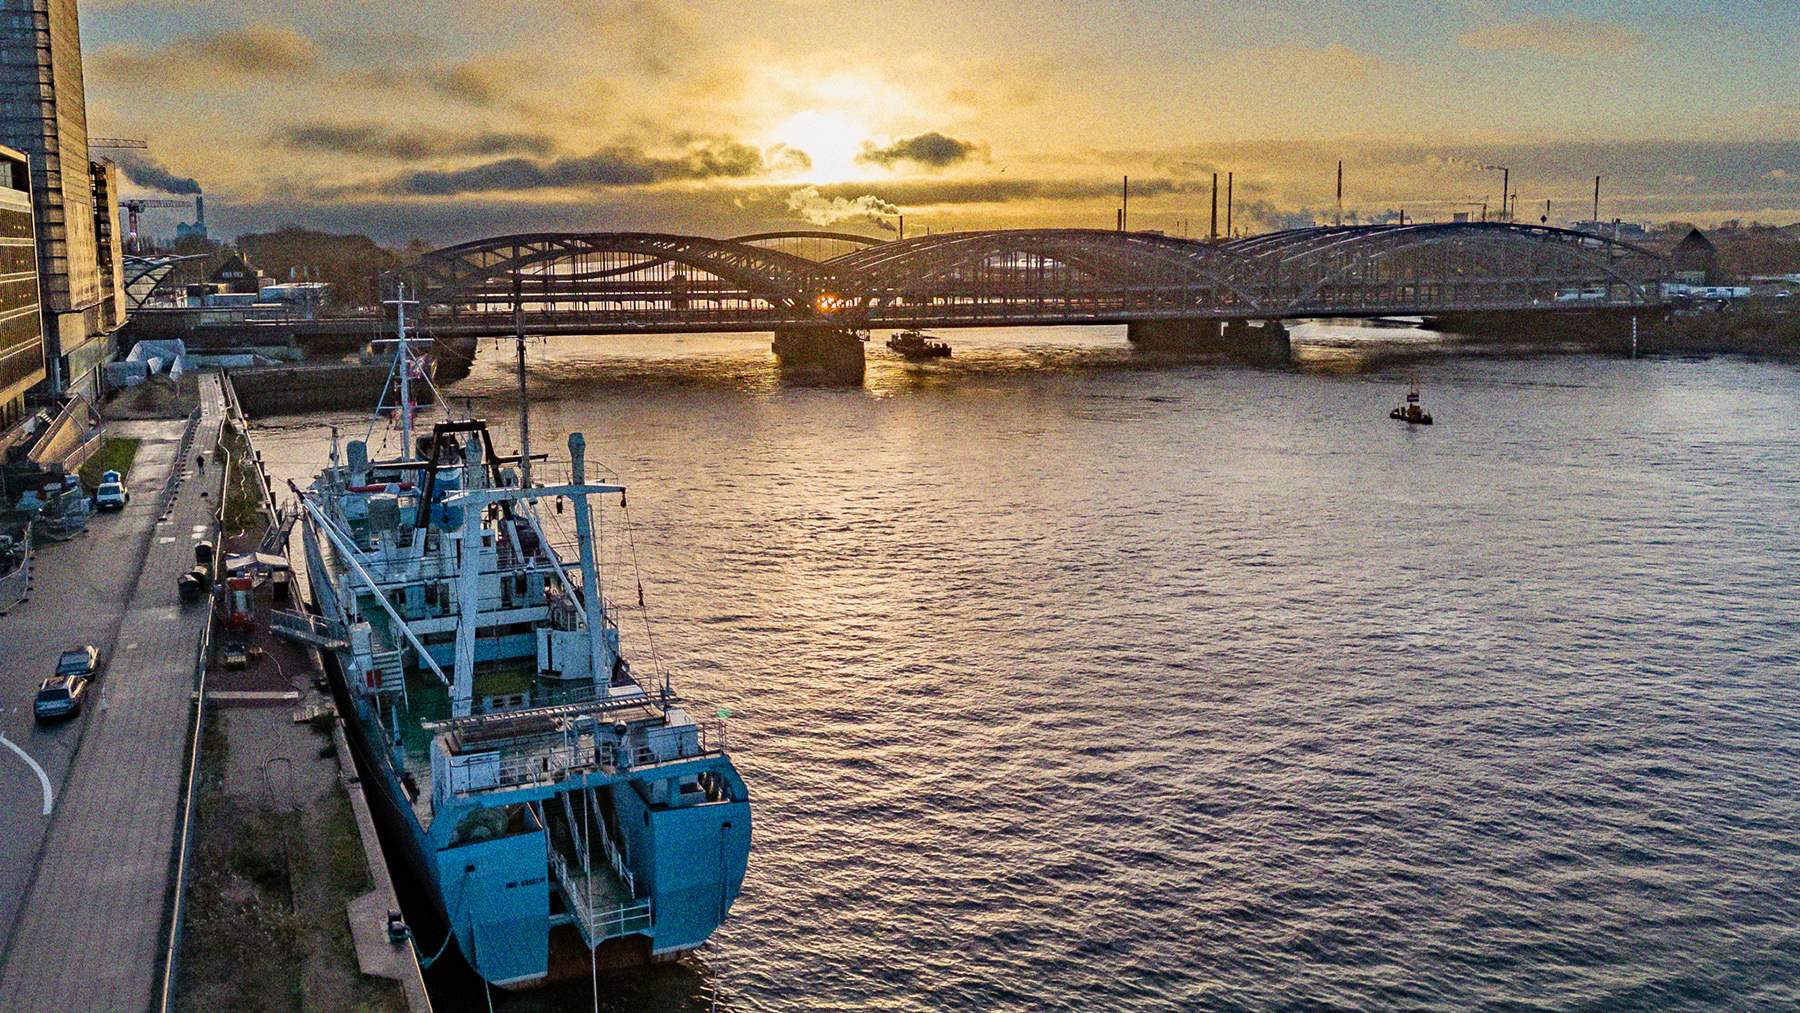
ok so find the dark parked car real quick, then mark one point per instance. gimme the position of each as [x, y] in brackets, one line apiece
[62, 693]
[60, 696]
[80, 661]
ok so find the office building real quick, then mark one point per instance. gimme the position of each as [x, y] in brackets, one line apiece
[44, 114]
[21, 327]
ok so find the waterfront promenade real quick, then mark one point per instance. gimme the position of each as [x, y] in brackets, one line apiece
[92, 928]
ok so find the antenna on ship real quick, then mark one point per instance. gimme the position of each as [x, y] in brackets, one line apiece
[404, 371]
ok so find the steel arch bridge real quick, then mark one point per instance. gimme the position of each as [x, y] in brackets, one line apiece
[596, 283]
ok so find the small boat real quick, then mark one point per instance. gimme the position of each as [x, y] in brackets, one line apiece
[1410, 412]
[915, 347]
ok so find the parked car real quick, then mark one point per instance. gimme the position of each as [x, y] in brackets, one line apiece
[60, 696]
[112, 494]
[82, 661]
[62, 693]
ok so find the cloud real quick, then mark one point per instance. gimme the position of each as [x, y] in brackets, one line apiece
[658, 40]
[380, 141]
[148, 172]
[809, 205]
[999, 190]
[470, 83]
[786, 161]
[931, 149]
[1554, 36]
[252, 51]
[612, 166]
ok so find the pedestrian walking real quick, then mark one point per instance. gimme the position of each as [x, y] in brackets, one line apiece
[200, 463]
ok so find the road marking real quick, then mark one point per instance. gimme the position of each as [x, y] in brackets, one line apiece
[43, 778]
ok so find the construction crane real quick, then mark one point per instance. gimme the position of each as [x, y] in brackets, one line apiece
[134, 205]
[116, 142]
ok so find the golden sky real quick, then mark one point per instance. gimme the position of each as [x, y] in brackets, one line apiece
[471, 118]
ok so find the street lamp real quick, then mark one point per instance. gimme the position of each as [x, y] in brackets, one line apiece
[1505, 176]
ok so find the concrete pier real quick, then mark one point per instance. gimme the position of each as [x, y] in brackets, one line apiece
[1236, 339]
[283, 390]
[823, 355]
[1603, 330]
[91, 932]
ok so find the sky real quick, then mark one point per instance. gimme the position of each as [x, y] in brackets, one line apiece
[464, 119]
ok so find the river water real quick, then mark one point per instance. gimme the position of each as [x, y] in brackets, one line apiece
[1064, 680]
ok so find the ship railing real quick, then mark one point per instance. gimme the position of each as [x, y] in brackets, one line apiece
[553, 757]
[600, 922]
[617, 860]
[306, 628]
[407, 569]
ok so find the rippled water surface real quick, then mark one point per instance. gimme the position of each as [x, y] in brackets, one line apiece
[1067, 681]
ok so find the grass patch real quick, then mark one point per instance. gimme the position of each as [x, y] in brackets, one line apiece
[346, 863]
[244, 498]
[215, 747]
[116, 454]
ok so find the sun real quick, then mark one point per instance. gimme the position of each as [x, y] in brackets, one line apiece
[829, 139]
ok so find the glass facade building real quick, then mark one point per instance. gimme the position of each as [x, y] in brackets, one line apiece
[21, 326]
[43, 113]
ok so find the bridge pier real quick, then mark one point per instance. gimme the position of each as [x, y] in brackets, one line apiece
[1236, 339]
[455, 356]
[819, 353]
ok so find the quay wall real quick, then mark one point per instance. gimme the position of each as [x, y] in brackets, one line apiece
[212, 331]
[285, 390]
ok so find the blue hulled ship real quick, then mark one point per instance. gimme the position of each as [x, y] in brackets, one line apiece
[562, 813]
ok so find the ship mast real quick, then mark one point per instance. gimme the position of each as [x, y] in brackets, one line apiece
[590, 576]
[524, 400]
[403, 360]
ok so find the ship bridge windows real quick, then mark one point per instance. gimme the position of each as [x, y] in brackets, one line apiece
[505, 702]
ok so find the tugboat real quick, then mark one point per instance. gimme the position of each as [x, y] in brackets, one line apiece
[915, 347]
[1410, 412]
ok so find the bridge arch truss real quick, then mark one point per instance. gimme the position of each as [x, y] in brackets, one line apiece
[1438, 268]
[615, 281]
[625, 282]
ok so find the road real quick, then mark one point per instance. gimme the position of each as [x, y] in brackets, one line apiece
[78, 597]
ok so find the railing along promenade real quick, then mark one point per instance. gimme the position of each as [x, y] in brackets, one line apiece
[597, 283]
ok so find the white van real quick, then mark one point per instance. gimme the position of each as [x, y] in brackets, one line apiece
[112, 494]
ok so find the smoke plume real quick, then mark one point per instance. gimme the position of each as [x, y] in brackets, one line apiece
[148, 172]
[818, 210]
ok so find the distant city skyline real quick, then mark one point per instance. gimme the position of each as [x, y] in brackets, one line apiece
[475, 118]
